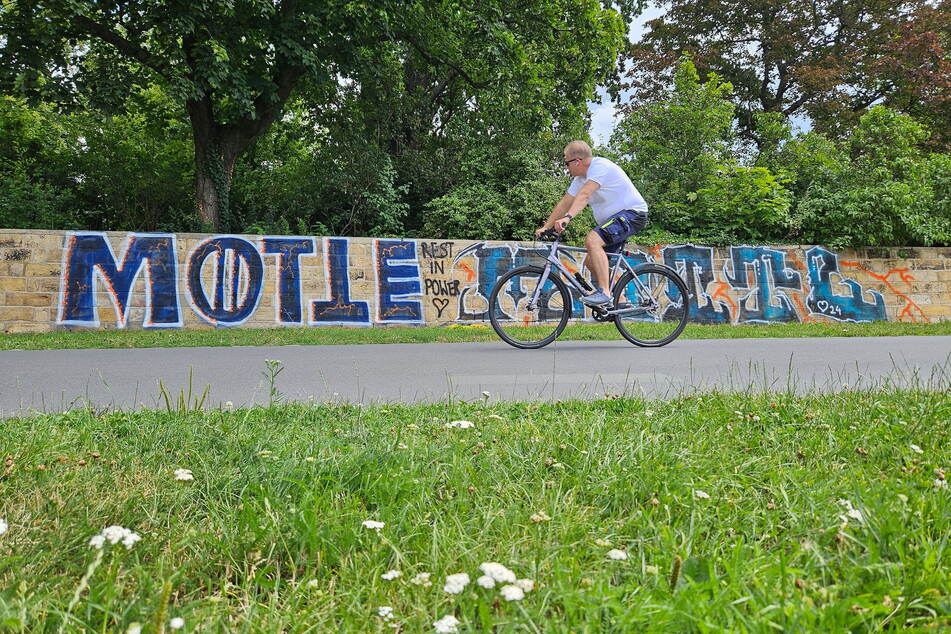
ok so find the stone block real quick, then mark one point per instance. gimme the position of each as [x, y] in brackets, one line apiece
[18, 313]
[42, 284]
[12, 284]
[31, 299]
[42, 270]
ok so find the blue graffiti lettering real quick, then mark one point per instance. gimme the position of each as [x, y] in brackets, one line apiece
[236, 279]
[89, 255]
[823, 301]
[288, 287]
[340, 309]
[695, 266]
[397, 274]
[763, 304]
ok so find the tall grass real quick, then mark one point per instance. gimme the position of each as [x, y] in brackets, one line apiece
[735, 512]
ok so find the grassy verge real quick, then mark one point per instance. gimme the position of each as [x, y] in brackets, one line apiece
[477, 332]
[729, 513]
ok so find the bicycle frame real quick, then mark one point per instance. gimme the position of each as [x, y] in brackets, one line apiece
[552, 260]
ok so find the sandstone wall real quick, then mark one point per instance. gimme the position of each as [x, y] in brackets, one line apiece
[53, 280]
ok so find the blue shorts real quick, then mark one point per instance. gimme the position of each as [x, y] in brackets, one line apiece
[620, 227]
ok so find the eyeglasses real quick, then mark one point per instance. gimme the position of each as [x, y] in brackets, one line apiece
[569, 162]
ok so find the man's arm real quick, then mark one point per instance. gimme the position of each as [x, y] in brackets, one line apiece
[563, 206]
[576, 206]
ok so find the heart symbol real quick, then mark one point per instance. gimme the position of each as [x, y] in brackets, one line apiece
[440, 303]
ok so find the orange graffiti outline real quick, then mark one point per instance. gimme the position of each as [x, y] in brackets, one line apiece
[720, 292]
[470, 274]
[906, 278]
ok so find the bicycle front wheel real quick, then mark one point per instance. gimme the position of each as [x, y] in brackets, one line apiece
[659, 304]
[524, 326]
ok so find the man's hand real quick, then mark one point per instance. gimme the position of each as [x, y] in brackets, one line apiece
[540, 230]
[561, 223]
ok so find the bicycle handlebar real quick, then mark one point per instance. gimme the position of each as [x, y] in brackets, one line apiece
[549, 235]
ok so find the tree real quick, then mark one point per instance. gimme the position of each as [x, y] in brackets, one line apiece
[827, 59]
[235, 64]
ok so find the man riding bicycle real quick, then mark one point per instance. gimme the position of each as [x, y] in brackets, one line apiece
[619, 211]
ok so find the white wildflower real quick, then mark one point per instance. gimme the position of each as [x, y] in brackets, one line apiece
[460, 424]
[939, 483]
[313, 583]
[456, 583]
[422, 579]
[114, 535]
[701, 495]
[916, 449]
[540, 516]
[603, 543]
[373, 524]
[389, 575]
[184, 474]
[651, 570]
[512, 592]
[3, 526]
[134, 628]
[486, 394]
[447, 625]
[527, 585]
[310, 459]
[177, 623]
[850, 512]
[486, 581]
[903, 498]
[498, 572]
[619, 555]
[385, 611]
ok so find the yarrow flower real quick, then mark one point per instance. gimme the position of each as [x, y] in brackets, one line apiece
[512, 592]
[3, 526]
[177, 623]
[527, 585]
[916, 449]
[389, 575]
[385, 611]
[540, 516]
[850, 512]
[456, 583]
[373, 524]
[184, 474]
[701, 495]
[486, 581]
[460, 424]
[498, 572]
[134, 628]
[114, 535]
[447, 625]
[939, 483]
[614, 553]
[422, 579]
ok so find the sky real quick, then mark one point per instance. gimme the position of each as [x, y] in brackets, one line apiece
[603, 117]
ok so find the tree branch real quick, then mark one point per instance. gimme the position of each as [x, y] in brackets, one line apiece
[132, 49]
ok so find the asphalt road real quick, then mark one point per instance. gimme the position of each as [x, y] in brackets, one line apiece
[53, 380]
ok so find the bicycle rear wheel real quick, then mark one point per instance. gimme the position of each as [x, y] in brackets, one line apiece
[509, 311]
[664, 302]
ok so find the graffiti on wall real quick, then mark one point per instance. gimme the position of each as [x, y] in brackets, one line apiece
[222, 280]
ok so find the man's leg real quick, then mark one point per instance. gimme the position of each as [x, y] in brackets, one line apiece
[597, 260]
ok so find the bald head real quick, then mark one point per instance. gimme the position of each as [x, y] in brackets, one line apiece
[578, 149]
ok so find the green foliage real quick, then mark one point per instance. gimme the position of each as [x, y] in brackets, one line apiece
[742, 204]
[505, 196]
[887, 192]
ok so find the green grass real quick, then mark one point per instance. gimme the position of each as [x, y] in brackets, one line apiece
[476, 332]
[268, 535]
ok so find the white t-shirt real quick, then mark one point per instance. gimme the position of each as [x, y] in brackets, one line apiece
[616, 191]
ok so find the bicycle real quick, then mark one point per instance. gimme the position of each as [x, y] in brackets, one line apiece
[650, 307]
